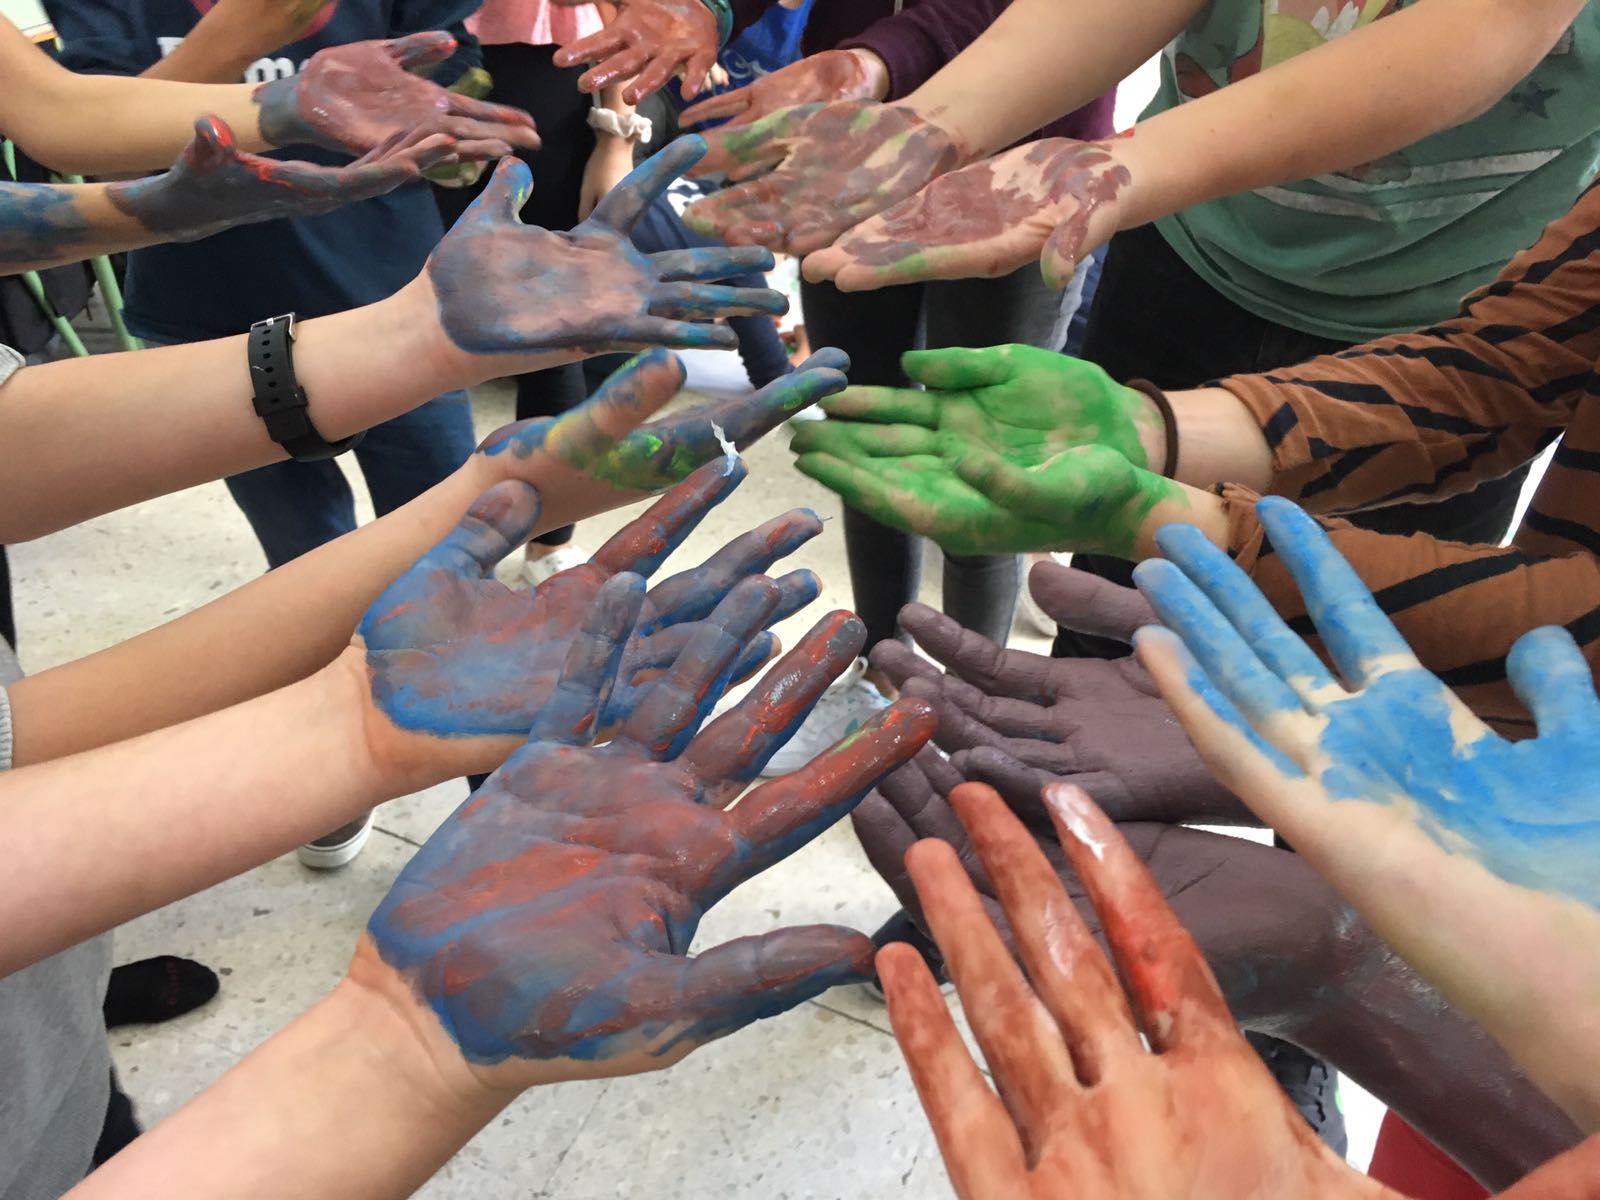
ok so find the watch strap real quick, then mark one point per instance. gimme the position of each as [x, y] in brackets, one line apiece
[280, 401]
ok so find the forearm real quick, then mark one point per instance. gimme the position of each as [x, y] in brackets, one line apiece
[339, 1103]
[109, 125]
[1396, 1037]
[212, 52]
[86, 436]
[1058, 57]
[914, 44]
[92, 833]
[1389, 94]
[276, 630]
[43, 226]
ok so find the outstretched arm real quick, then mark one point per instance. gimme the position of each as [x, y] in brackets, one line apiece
[483, 307]
[295, 620]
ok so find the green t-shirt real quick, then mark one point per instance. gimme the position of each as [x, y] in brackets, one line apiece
[1395, 244]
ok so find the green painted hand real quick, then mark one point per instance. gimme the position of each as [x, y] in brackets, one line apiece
[1014, 449]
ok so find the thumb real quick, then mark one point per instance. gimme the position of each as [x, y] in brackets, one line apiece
[1088, 604]
[213, 145]
[499, 521]
[502, 199]
[418, 51]
[746, 980]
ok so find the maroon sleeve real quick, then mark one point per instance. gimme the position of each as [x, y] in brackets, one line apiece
[916, 42]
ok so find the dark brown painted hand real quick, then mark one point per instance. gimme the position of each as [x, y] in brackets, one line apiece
[648, 42]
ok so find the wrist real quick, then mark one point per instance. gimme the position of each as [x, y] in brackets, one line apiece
[1220, 440]
[412, 343]
[874, 70]
[1172, 502]
[390, 760]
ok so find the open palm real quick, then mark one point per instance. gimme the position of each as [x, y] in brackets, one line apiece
[1472, 855]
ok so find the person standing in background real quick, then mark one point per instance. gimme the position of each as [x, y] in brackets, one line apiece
[311, 266]
[587, 147]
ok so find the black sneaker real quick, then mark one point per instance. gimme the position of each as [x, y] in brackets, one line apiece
[901, 928]
[337, 849]
[1311, 1084]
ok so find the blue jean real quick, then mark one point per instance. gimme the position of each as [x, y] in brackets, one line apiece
[295, 507]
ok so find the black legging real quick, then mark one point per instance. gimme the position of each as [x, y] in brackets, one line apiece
[874, 329]
[525, 77]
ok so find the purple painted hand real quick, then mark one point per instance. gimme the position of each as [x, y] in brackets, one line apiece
[459, 664]
[357, 97]
[214, 185]
[647, 43]
[547, 923]
[831, 166]
[506, 291]
[1098, 723]
[1052, 200]
[1278, 938]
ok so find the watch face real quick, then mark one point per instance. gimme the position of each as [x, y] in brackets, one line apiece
[317, 25]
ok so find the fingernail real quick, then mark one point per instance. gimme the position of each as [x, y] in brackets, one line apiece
[1073, 807]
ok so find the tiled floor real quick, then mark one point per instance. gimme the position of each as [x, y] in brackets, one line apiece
[816, 1104]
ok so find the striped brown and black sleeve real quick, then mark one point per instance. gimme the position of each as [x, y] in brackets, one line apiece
[1426, 415]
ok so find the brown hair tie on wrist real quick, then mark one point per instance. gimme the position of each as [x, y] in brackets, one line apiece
[1168, 418]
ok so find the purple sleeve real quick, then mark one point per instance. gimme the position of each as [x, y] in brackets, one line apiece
[917, 42]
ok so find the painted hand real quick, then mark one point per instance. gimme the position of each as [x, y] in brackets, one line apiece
[547, 923]
[459, 664]
[357, 97]
[1020, 403]
[1053, 200]
[648, 42]
[1279, 938]
[1088, 1110]
[822, 78]
[214, 185]
[831, 166]
[505, 291]
[949, 485]
[598, 457]
[1097, 723]
[1473, 856]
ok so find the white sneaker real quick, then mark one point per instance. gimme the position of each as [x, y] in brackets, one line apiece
[537, 570]
[337, 849]
[844, 708]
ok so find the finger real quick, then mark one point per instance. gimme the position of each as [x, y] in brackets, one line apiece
[1238, 599]
[568, 716]
[845, 439]
[973, 658]
[1068, 972]
[784, 814]
[692, 594]
[732, 985]
[1554, 680]
[1008, 485]
[919, 792]
[980, 1145]
[669, 712]
[489, 114]
[695, 74]
[595, 47]
[1225, 658]
[624, 64]
[1062, 253]
[899, 662]
[416, 51]
[1210, 719]
[499, 521]
[649, 331]
[709, 262]
[958, 367]
[657, 73]
[581, 437]
[885, 837]
[1086, 603]
[623, 205]
[479, 150]
[1025, 1051]
[763, 648]
[734, 748]
[744, 420]
[213, 144]
[867, 491]
[1174, 995]
[1362, 641]
[957, 730]
[1020, 785]
[502, 198]
[714, 107]
[706, 301]
[643, 544]
[1005, 716]
[886, 406]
